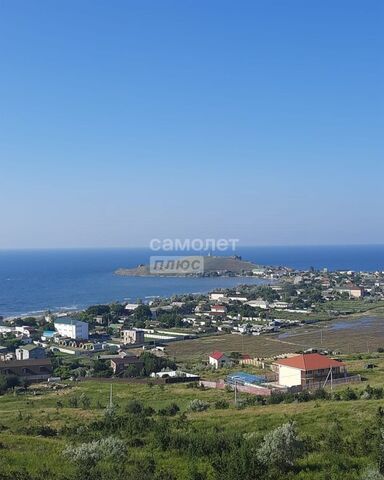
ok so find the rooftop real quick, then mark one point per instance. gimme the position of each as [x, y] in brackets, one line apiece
[67, 321]
[243, 377]
[25, 363]
[29, 347]
[216, 355]
[310, 361]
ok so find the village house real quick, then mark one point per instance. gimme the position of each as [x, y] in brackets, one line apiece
[119, 364]
[71, 328]
[5, 354]
[352, 290]
[219, 360]
[30, 351]
[177, 304]
[4, 328]
[279, 305]
[130, 337]
[237, 298]
[175, 376]
[258, 271]
[25, 330]
[219, 309]
[308, 369]
[99, 319]
[131, 307]
[215, 296]
[259, 303]
[32, 369]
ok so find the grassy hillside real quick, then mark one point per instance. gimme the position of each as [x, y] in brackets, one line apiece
[340, 436]
[211, 265]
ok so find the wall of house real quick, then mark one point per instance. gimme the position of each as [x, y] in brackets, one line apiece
[133, 336]
[82, 331]
[22, 354]
[213, 362]
[289, 376]
[77, 331]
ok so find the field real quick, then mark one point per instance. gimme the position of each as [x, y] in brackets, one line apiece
[25, 449]
[326, 311]
[340, 431]
[353, 335]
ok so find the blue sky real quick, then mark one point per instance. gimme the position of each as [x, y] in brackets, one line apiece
[122, 121]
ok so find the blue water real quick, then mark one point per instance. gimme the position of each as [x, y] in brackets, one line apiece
[356, 324]
[37, 280]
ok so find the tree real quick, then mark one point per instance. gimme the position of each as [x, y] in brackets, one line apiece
[95, 310]
[101, 369]
[3, 384]
[30, 321]
[152, 363]
[281, 447]
[117, 309]
[132, 371]
[12, 381]
[142, 313]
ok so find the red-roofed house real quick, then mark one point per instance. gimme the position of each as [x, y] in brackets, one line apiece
[308, 369]
[352, 290]
[222, 309]
[219, 360]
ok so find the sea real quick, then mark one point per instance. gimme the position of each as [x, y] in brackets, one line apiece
[34, 281]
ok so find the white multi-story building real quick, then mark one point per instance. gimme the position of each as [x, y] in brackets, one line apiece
[132, 336]
[71, 328]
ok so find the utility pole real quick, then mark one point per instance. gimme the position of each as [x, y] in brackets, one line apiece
[235, 393]
[110, 397]
[328, 375]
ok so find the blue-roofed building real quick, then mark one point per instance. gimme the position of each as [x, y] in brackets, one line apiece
[49, 333]
[243, 378]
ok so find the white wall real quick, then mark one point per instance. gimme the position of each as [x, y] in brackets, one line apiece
[216, 296]
[289, 376]
[77, 330]
[214, 362]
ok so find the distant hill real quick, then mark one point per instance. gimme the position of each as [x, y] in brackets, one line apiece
[212, 266]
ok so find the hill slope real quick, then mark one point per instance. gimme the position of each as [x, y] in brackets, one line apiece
[211, 266]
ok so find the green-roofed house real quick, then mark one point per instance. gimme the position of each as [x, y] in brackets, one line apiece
[116, 326]
[25, 352]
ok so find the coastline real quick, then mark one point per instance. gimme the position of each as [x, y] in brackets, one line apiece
[32, 281]
[145, 298]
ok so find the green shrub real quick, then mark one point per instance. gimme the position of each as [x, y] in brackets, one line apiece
[198, 405]
[281, 447]
[221, 404]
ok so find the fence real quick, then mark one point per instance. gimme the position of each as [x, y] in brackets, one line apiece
[141, 380]
[253, 390]
[335, 381]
